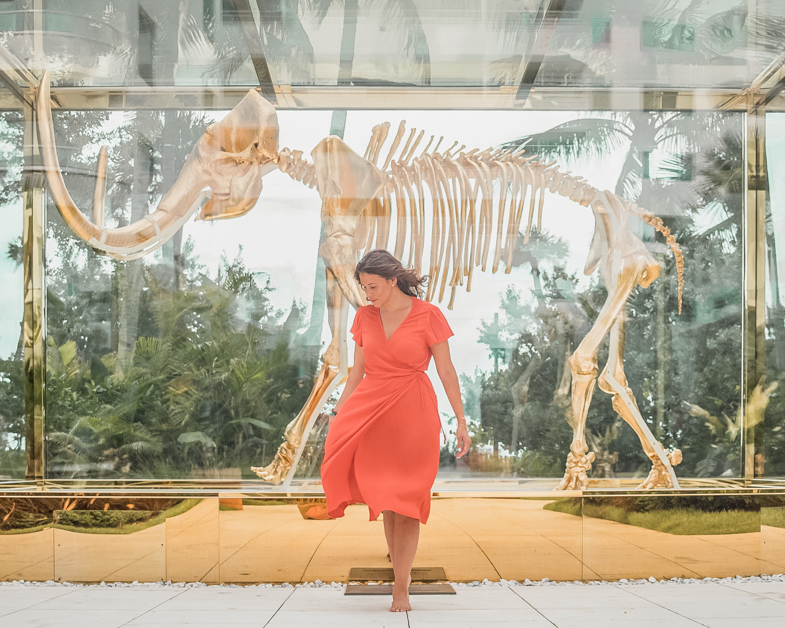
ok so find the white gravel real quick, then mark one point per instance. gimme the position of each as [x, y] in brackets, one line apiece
[545, 582]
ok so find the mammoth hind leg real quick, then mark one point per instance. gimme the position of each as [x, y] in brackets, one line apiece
[583, 364]
[614, 382]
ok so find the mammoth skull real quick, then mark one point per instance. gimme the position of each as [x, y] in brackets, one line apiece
[235, 154]
[226, 166]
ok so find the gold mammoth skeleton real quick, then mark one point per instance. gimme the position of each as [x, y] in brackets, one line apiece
[471, 199]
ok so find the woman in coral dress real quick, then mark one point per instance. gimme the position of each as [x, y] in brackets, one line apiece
[383, 446]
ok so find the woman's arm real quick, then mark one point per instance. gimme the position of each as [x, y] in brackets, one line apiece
[446, 370]
[356, 374]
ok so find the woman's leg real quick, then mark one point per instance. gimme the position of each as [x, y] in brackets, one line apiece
[405, 538]
[388, 516]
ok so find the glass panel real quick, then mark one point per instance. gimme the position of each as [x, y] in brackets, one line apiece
[12, 393]
[27, 538]
[655, 44]
[266, 540]
[130, 42]
[770, 436]
[772, 520]
[678, 536]
[597, 43]
[515, 331]
[191, 361]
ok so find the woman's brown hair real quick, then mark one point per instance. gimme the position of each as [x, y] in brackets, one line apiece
[382, 263]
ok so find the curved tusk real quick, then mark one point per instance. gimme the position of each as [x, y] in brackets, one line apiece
[131, 241]
[124, 254]
[54, 176]
[99, 195]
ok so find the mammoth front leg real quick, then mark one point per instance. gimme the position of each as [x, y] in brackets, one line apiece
[614, 382]
[333, 370]
[583, 364]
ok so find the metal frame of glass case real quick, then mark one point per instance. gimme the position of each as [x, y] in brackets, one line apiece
[202, 542]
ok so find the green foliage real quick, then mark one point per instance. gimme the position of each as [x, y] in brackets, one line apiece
[12, 419]
[87, 520]
[774, 517]
[674, 363]
[211, 391]
[671, 520]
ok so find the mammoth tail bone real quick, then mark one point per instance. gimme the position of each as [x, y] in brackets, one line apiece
[654, 221]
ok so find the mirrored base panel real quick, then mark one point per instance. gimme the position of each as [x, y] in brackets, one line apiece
[247, 538]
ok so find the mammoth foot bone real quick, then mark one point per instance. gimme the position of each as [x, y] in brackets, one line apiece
[276, 472]
[578, 465]
[659, 476]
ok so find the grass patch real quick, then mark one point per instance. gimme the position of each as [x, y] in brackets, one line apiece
[569, 506]
[774, 517]
[267, 502]
[118, 521]
[37, 528]
[681, 521]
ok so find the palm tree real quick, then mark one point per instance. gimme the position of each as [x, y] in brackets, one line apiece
[287, 44]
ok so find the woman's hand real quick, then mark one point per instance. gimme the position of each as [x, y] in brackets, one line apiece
[464, 442]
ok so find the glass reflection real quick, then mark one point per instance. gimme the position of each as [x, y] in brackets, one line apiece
[12, 395]
[770, 435]
[406, 43]
[129, 42]
[192, 361]
[188, 363]
[26, 538]
[683, 369]
[679, 536]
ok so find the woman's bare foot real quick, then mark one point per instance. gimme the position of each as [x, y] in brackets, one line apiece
[400, 601]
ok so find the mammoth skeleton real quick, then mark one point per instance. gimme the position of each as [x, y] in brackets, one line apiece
[472, 198]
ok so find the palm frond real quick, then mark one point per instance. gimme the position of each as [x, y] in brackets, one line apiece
[586, 138]
[404, 17]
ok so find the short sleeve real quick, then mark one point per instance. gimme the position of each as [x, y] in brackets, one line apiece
[357, 327]
[436, 327]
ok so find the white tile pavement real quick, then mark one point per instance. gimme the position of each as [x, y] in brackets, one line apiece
[758, 602]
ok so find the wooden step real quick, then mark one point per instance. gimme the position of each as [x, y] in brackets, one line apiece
[386, 574]
[386, 589]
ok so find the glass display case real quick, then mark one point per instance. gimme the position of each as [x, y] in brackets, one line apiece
[200, 354]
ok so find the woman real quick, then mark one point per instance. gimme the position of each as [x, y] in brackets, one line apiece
[383, 446]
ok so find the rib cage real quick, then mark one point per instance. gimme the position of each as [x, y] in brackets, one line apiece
[461, 189]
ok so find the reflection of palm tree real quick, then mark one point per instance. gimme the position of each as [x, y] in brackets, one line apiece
[286, 42]
[642, 131]
[401, 14]
[201, 33]
[536, 334]
[679, 133]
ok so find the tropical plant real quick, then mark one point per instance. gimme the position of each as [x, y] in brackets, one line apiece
[211, 385]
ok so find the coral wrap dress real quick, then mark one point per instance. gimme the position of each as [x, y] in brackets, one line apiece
[383, 447]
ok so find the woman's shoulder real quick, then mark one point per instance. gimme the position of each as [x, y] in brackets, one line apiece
[364, 310]
[427, 306]
[430, 311]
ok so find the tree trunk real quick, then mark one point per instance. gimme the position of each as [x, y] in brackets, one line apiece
[663, 357]
[131, 273]
[312, 338]
[520, 397]
[171, 157]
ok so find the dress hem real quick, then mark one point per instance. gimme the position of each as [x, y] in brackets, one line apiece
[340, 511]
